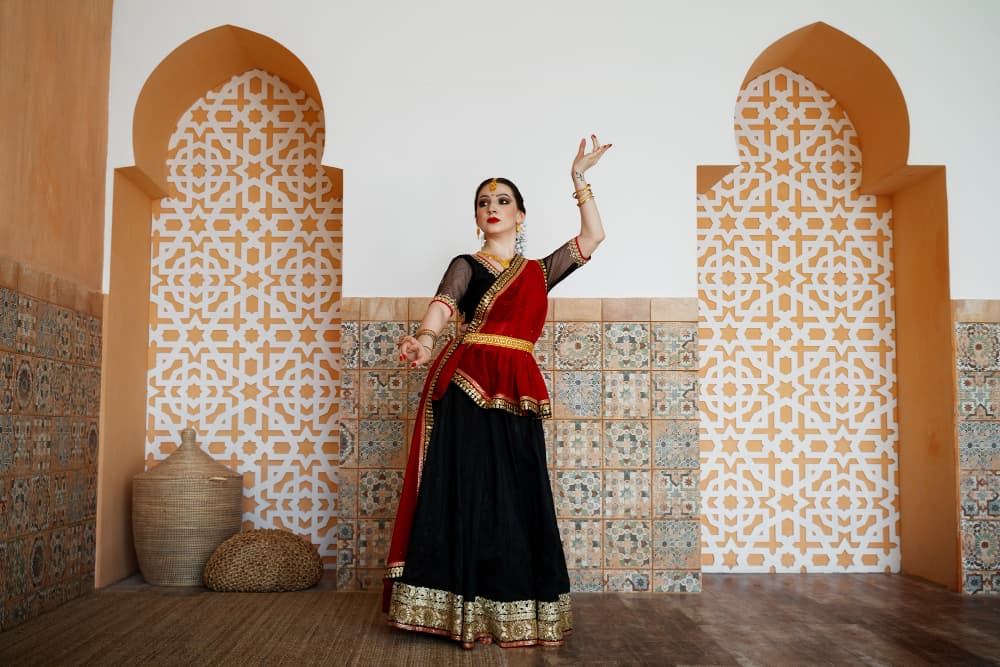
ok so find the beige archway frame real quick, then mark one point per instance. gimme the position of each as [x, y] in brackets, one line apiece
[861, 82]
[196, 66]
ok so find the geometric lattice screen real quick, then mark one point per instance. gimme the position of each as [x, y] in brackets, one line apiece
[244, 328]
[799, 460]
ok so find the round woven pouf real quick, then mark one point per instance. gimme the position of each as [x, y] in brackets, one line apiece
[182, 510]
[263, 560]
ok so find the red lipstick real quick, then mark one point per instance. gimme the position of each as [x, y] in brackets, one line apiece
[492, 219]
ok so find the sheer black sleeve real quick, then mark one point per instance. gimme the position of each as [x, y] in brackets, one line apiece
[454, 284]
[566, 259]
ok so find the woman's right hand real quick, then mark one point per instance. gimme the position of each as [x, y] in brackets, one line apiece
[412, 350]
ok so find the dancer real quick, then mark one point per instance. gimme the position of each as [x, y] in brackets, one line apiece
[475, 552]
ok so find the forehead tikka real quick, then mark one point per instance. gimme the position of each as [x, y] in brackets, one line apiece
[493, 185]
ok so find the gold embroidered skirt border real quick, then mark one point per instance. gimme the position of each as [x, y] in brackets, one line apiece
[518, 623]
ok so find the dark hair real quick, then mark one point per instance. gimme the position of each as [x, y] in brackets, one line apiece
[518, 199]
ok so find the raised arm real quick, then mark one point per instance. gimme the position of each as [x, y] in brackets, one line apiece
[591, 229]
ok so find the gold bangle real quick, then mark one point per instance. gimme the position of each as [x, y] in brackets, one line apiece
[583, 201]
[429, 332]
[426, 347]
[585, 188]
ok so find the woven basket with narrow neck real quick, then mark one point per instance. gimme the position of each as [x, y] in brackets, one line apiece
[182, 510]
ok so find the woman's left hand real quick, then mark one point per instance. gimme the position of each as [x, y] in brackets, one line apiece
[584, 160]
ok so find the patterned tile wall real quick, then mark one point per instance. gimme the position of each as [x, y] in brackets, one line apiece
[622, 448]
[50, 380]
[977, 348]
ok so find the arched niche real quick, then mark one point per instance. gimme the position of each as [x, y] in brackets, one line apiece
[928, 455]
[199, 64]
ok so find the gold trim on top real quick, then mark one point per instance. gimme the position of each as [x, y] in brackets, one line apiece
[498, 340]
[525, 405]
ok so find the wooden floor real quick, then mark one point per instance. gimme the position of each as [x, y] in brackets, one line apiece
[736, 620]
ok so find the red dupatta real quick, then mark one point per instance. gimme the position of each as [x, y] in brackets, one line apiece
[494, 376]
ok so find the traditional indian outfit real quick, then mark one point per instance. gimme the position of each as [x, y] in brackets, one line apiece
[475, 552]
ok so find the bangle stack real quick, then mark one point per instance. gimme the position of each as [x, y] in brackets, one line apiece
[583, 195]
[434, 337]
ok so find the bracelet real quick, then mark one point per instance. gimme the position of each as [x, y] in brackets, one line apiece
[581, 202]
[585, 188]
[426, 348]
[421, 332]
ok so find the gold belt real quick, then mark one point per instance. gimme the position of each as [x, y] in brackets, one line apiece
[499, 341]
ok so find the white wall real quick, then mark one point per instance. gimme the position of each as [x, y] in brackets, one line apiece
[424, 100]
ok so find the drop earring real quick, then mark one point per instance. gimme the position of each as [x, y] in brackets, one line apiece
[478, 232]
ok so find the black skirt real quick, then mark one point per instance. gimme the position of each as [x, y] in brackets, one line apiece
[485, 561]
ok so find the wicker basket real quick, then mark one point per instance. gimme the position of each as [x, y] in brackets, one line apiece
[182, 510]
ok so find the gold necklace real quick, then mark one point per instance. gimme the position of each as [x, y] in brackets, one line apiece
[502, 262]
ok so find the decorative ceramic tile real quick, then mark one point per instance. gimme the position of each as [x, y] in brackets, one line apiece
[347, 496]
[78, 399]
[348, 455]
[8, 321]
[982, 583]
[43, 387]
[586, 581]
[374, 536]
[346, 579]
[77, 505]
[981, 545]
[577, 346]
[78, 339]
[977, 346]
[626, 493]
[41, 448]
[60, 497]
[626, 444]
[370, 579]
[626, 345]
[379, 493]
[675, 444]
[981, 495]
[415, 379]
[37, 561]
[979, 445]
[5, 512]
[626, 581]
[674, 581]
[19, 521]
[8, 381]
[549, 433]
[379, 344]
[675, 494]
[89, 547]
[23, 427]
[48, 331]
[94, 340]
[38, 503]
[577, 394]
[93, 385]
[581, 541]
[627, 544]
[383, 394]
[62, 388]
[545, 347]
[26, 337]
[577, 493]
[979, 395]
[16, 583]
[675, 395]
[6, 444]
[676, 545]
[381, 443]
[57, 555]
[349, 395]
[350, 344]
[24, 388]
[577, 443]
[675, 346]
[626, 394]
[549, 380]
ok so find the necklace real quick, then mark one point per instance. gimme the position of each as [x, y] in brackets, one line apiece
[502, 262]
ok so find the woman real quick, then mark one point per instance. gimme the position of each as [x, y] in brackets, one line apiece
[475, 552]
